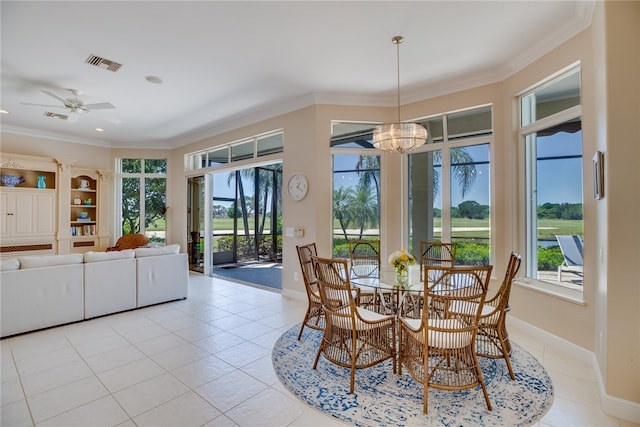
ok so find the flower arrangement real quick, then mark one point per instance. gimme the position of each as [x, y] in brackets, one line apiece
[401, 259]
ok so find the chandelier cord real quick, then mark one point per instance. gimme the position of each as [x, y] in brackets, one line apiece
[397, 40]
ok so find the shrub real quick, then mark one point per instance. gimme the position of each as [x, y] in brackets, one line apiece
[549, 258]
[470, 253]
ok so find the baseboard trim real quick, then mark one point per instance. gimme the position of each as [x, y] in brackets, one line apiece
[611, 405]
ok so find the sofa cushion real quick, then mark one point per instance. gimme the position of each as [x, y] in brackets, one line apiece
[160, 250]
[48, 260]
[108, 256]
[9, 264]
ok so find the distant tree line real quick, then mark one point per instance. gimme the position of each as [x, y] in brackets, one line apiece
[560, 211]
[474, 210]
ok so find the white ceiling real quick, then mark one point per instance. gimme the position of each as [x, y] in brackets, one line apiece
[227, 64]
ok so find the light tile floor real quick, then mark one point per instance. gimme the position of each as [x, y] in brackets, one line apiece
[204, 361]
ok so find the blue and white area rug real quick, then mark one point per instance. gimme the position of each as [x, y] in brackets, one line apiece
[382, 398]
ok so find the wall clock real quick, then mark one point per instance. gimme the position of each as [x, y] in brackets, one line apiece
[298, 186]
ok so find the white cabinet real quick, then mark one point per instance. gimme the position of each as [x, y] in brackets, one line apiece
[27, 213]
[52, 207]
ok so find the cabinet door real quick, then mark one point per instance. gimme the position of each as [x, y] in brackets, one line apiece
[6, 216]
[45, 222]
[34, 214]
[24, 215]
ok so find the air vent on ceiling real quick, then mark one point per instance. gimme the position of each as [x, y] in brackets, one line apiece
[99, 62]
[55, 115]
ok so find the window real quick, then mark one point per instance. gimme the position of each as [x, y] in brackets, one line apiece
[143, 198]
[250, 148]
[551, 131]
[356, 185]
[449, 185]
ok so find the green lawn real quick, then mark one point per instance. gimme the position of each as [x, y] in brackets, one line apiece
[227, 224]
[547, 228]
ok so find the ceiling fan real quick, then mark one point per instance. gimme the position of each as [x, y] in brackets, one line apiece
[75, 105]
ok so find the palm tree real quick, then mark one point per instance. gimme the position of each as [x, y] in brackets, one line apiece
[462, 168]
[364, 207]
[237, 176]
[368, 168]
[342, 198]
[267, 185]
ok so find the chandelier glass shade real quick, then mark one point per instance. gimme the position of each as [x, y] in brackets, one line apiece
[399, 137]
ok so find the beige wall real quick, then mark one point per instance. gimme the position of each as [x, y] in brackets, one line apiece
[84, 156]
[608, 322]
[619, 112]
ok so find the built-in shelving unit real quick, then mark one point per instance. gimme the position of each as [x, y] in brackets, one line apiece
[28, 201]
[52, 206]
[83, 212]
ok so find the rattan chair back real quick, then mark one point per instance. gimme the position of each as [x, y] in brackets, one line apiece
[354, 337]
[314, 316]
[436, 254]
[438, 349]
[364, 256]
[493, 337]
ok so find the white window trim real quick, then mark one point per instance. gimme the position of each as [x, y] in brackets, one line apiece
[564, 292]
[141, 176]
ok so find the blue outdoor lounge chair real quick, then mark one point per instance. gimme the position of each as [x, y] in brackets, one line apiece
[571, 247]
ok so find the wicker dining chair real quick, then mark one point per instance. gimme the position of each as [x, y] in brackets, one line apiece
[354, 337]
[364, 257]
[438, 350]
[436, 254]
[493, 338]
[314, 316]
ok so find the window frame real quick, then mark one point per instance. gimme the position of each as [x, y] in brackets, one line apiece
[142, 175]
[528, 162]
[445, 144]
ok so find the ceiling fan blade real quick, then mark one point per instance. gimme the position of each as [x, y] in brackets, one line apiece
[53, 95]
[99, 106]
[42, 105]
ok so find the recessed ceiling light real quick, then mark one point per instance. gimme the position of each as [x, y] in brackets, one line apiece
[99, 130]
[4, 112]
[153, 79]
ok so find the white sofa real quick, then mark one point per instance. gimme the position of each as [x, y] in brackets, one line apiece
[42, 291]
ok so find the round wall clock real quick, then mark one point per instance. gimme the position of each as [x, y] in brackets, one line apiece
[298, 186]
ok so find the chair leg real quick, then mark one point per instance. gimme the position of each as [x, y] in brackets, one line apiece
[304, 322]
[354, 356]
[505, 354]
[425, 396]
[320, 348]
[503, 339]
[481, 380]
[302, 327]
[507, 359]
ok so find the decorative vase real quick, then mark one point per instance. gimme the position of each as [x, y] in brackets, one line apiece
[11, 180]
[41, 181]
[402, 274]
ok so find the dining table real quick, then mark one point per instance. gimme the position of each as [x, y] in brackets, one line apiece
[399, 296]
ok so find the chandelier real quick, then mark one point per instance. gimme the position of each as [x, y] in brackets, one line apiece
[399, 137]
